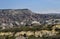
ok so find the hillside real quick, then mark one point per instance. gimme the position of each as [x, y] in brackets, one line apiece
[16, 16]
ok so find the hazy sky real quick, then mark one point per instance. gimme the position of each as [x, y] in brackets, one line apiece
[34, 5]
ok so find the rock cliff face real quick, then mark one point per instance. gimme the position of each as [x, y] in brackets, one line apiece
[16, 16]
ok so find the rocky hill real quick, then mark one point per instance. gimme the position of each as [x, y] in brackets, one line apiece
[16, 16]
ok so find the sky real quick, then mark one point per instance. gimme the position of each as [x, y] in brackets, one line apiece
[39, 6]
